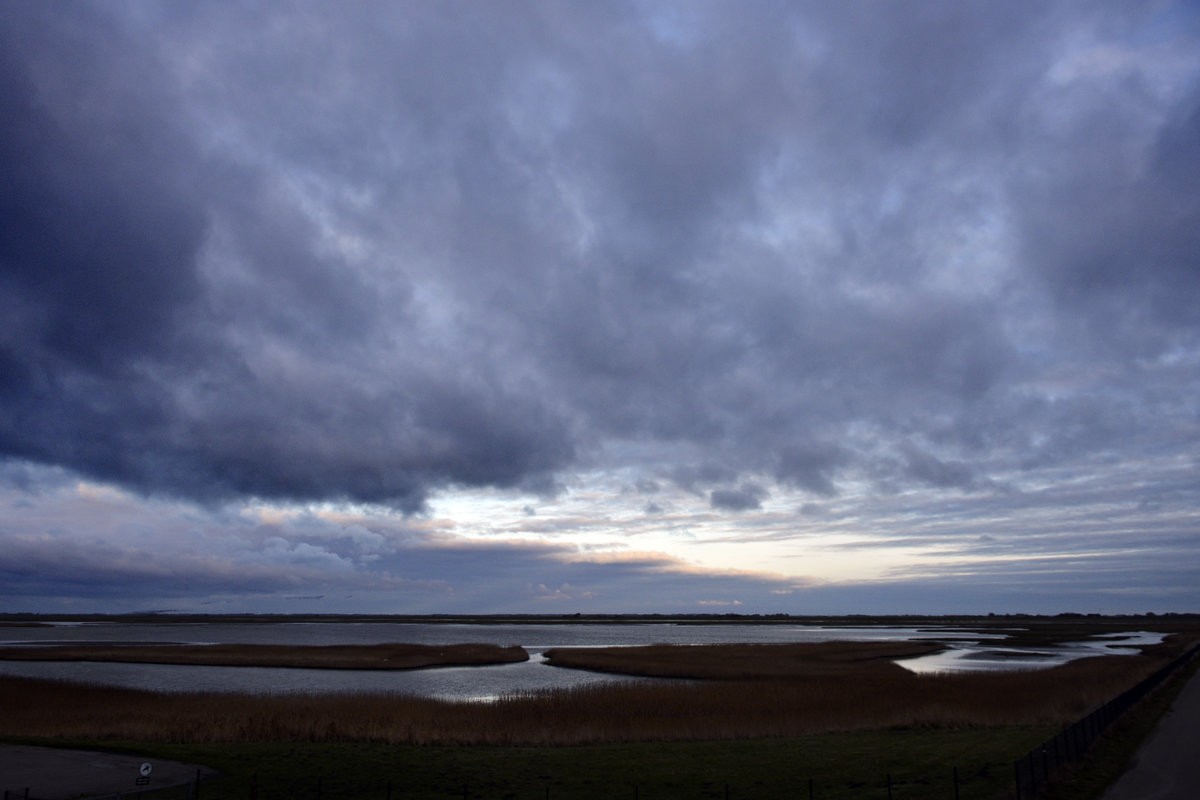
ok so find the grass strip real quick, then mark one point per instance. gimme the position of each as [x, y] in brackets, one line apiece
[744, 661]
[920, 763]
[343, 657]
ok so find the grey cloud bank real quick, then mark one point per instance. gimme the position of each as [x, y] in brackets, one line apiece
[918, 283]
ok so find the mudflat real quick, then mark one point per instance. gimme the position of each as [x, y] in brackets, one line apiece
[53, 774]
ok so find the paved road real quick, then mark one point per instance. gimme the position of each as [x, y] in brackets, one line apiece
[1167, 767]
[52, 774]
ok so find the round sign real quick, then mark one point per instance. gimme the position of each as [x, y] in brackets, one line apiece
[145, 768]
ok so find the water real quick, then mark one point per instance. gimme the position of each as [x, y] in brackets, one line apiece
[969, 650]
[981, 657]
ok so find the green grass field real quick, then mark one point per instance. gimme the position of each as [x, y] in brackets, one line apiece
[921, 764]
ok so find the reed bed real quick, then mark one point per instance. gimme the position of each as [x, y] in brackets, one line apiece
[375, 656]
[863, 695]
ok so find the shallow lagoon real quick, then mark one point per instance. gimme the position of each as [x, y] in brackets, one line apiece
[968, 651]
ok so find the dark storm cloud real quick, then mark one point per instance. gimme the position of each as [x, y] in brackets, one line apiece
[46, 569]
[173, 323]
[286, 252]
[1122, 267]
[744, 498]
[98, 238]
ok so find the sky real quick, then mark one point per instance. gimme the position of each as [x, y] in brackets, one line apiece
[600, 307]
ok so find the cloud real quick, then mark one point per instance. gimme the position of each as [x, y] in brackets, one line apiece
[394, 255]
[180, 325]
[462, 273]
[104, 548]
[746, 497]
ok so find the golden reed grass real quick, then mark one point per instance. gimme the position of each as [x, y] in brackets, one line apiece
[862, 695]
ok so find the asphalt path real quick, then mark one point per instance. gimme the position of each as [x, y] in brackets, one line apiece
[1167, 767]
[49, 773]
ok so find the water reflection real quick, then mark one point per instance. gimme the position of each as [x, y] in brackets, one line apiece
[981, 657]
[453, 683]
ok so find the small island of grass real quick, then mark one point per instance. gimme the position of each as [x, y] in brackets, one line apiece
[376, 656]
[742, 661]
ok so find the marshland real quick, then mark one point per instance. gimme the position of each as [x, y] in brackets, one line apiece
[847, 704]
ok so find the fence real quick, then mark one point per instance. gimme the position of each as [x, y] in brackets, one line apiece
[1033, 770]
[189, 790]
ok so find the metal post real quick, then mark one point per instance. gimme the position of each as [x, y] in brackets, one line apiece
[889, 779]
[1017, 772]
[810, 789]
[956, 783]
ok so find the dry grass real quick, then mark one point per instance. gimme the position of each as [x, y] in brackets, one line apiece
[857, 695]
[376, 656]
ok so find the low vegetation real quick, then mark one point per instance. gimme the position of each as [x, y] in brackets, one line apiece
[839, 721]
[847, 695]
[375, 656]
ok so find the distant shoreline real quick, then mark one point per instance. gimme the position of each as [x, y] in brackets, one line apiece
[1010, 630]
[843, 620]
